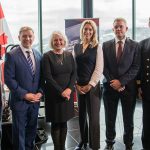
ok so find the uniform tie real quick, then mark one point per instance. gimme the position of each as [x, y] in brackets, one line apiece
[119, 51]
[29, 60]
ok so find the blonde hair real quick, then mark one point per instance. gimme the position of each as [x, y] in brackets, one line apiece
[60, 34]
[25, 28]
[94, 39]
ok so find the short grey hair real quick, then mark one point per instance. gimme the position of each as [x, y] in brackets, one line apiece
[120, 19]
[60, 34]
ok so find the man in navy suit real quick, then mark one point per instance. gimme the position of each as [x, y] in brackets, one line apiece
[121, 65]
[22, 76]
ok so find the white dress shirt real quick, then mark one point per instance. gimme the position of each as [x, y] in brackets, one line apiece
[98, 71]
[117, 44]
[31, 55]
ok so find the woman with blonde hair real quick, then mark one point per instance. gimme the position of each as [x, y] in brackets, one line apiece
[59, 78]
[89, 59]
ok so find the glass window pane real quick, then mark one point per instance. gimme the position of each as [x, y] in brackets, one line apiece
[21, 13]
[143, 14]
[107, 11]
[54, 15]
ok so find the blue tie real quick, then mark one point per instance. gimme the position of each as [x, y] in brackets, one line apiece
[29, 60]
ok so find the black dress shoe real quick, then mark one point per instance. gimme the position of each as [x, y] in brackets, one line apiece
[109, 147]
[128, 148]
[81, 145]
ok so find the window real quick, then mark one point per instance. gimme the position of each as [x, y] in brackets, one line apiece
[54, 15]
[107, 11]
[142, 18]
[21, 13]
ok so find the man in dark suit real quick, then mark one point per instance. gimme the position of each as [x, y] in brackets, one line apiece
[22, 76]
[121, 65]
[145, 89]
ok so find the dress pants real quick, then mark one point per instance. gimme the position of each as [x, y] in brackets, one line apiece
[128, 100]
[146, 117]
[89, 104]
[24, 126]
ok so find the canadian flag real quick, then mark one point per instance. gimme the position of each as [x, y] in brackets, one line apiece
[5, 39]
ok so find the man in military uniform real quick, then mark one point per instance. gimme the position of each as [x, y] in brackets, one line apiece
[145, 90]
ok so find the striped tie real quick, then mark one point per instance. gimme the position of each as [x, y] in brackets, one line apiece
[29, 60]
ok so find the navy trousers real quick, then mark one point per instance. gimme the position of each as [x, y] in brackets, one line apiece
[24, 126]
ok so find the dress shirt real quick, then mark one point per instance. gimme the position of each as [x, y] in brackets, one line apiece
[98, 71]
[31, 55]
[117, 44]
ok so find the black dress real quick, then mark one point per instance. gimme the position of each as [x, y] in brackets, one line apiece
[59, 74]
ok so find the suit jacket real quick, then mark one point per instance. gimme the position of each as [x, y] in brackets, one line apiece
[127, 68]
[144, 74]
[18, 76]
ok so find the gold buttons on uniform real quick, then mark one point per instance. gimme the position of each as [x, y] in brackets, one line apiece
[147, 70]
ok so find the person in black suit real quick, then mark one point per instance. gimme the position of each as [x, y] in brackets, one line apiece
[89, 61]
[22, 76]
[121, 65]
[59, 78]
[145, 90]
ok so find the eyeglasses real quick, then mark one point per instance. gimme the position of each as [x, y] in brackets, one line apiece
[116, 27]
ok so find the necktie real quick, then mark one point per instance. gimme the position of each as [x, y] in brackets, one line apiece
[29, 60]
[119, 51]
